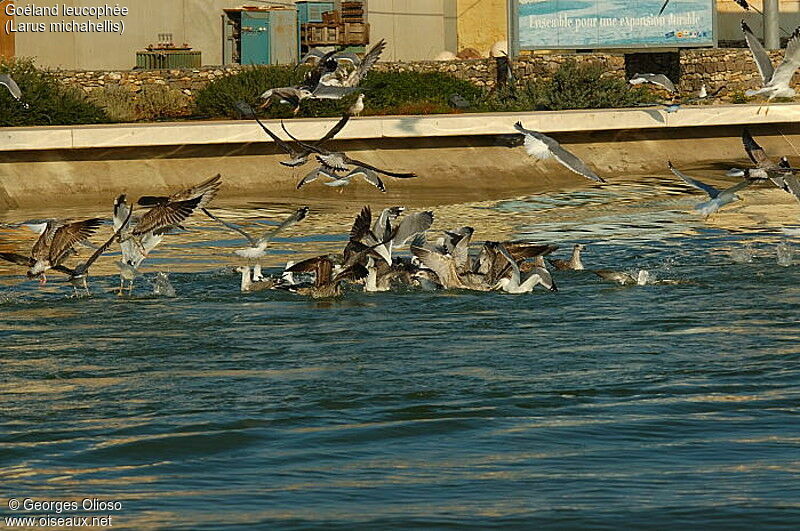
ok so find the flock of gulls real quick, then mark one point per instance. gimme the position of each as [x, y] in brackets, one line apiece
[394, 249]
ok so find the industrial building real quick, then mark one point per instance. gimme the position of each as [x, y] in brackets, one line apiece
[184, 33]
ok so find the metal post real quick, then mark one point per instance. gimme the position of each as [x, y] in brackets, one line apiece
[513, 28]
[772, 37]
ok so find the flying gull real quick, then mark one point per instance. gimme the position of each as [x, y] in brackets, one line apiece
[334, 162]
[542, 147]
[298, 157]
[717, 198]
[659, 80]
[775, 81]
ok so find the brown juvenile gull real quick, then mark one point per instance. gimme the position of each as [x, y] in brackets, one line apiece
[54, 245]
[79, 275]
[574, 263]
[326, 284]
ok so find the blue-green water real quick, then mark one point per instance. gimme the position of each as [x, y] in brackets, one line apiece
[668, 406]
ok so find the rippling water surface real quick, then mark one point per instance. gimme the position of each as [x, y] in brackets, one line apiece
[598, 406]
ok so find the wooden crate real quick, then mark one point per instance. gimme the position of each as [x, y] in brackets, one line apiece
[332, 17]
[320, 34]
[346, 34]
[354, 34]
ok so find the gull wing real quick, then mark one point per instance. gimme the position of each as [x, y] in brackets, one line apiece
[328, 92]
[793, 186]
[525, 250]
[66, 236]
[736, 187]
[515, 274]
[18, 259]
[335, 129]
[312, 176]
[791, 61]
[707, 188]
[314, 54]
[231, 226]
[460, 250]
[295, 217]
[443, 265]
[662, 81]
[756, 153]
[11, 85]
[362, 225]
[275, 138]
[399, 175]
[165, 216]
[760, 56]
[353, 273]
[103, 248]
[412, 225]
[368, 175]
[367, 63]
[310, 147]
[205, 190]
[568, 160]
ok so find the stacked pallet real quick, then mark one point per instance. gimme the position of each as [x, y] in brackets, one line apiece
[338, 28]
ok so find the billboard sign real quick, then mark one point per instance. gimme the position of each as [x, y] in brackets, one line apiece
[614, 23]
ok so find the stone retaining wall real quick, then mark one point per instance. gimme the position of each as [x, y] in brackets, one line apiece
[732, 67]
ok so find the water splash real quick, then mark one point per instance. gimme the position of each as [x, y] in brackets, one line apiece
[785, 254]
[162, 287]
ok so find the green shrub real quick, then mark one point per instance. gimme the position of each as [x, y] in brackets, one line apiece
[50, 102]
[218, 97]
[389, 91]
[575, 86]
[160, 102]
[118, 103]
[150, 103]
[386, 93]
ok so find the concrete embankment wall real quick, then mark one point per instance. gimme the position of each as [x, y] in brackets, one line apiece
[458, 157]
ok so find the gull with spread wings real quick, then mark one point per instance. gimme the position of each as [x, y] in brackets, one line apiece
[543, 147]
[53, 247]
[258, 246]
[298, 157]
[717, 198]
[775, 81]
[334, 162]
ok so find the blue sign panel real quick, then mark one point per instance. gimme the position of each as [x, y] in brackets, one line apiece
[615, 23]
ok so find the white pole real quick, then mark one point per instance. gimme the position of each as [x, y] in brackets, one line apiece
[772, 38]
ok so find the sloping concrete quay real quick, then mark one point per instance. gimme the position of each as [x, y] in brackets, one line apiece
[376, 127]
[457, 157]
